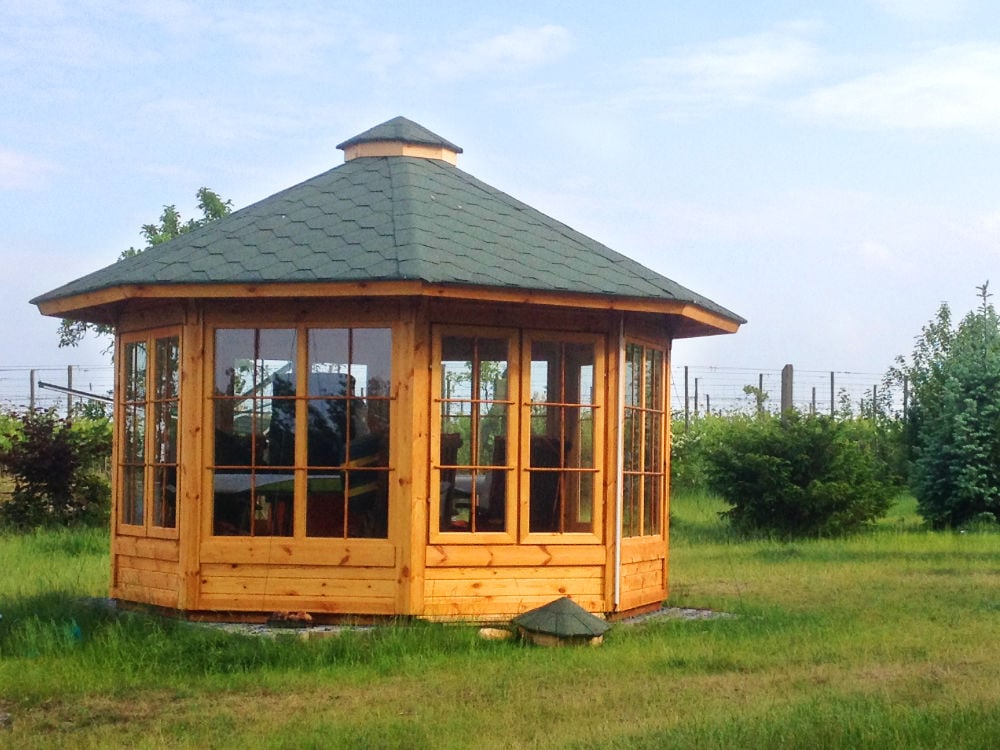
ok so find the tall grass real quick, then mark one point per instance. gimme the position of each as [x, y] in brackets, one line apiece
[886, 639]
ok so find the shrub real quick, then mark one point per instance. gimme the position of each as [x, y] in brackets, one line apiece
[798, 475]
[953, 424]
[59, 470]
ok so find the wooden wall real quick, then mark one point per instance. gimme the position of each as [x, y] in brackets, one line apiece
[145, 570]
[500, 581]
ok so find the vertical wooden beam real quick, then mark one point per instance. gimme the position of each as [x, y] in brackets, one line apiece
[410, 491]
[194, 501]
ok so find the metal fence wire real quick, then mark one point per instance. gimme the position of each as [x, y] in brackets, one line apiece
[715, 389]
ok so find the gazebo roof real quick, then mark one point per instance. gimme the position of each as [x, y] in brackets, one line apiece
[388, 218]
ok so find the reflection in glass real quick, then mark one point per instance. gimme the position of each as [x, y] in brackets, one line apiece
[474, 418]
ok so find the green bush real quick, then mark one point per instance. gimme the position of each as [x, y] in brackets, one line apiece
[798, 475]
[59, 469]
[953, 425]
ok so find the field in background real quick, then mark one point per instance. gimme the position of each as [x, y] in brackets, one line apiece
[883, 640]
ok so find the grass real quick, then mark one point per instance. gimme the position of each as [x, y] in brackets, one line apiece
[883, 640]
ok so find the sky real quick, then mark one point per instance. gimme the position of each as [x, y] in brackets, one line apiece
[827, 170]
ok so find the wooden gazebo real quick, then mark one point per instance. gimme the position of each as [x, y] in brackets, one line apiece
[389, 390]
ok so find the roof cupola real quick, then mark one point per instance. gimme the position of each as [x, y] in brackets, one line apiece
[400, 137]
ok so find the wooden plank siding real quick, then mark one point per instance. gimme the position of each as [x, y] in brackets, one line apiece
[492, 582]
[145, 570]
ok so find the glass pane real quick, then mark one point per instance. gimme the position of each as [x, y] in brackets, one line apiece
[135, 434]
[165, 437]
[545, 501]
[133, 492]
[545, 372]
[585, 506]
[456, 433]
[633, 374]
[232, 515]
[165, 496]
[653, 498]
[630, 505]
[329, 352]
[583, 448]
[654, 391]
[371, 360]
[492, 436]
[167, 368]
[633, 444]
[234, 355]
[653, 458]
[367, 504]
[135, 371]
[579, 367]
[579, 501]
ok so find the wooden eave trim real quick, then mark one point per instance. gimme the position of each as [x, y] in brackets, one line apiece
[397, 148]
[89, 300]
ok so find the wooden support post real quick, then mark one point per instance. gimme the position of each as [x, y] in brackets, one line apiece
[69, 395]
[708, 405]
[760, 393]
[812, 407]
[833, 403]
[696, 398]
[31, 392]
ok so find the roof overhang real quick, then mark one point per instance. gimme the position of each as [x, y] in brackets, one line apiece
[104, 306]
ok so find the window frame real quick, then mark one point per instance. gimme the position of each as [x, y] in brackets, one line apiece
[149, 407]
[436, 533]
[598, 405]
[642, 409]
[301, 400]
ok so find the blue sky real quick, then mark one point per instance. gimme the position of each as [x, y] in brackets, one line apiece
[826, 169]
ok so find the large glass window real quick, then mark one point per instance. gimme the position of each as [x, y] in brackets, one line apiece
[515, 435]
[474, 469]
[644, 435]
[149, 408]
[302, 420]
[561, 464]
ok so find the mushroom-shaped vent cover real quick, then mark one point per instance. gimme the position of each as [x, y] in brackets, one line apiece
[563, 618]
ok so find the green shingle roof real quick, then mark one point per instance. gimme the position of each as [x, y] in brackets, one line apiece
[395, 218]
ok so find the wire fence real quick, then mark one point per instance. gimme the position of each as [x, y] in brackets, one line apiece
[708, 389]
[699, 390]
[59, 388]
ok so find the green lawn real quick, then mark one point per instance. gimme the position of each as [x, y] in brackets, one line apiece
[884, 640]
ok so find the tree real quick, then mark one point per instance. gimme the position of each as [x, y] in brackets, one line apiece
[71, 332]
[953, 423]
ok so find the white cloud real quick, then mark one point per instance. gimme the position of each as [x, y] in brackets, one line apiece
[730, 71]
[514, 51]
[949, 88]
[20, 171]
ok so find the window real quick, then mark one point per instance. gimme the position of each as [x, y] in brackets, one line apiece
[474, 470]
[561, 466]
[644, 434]
[149, 408]
[514, 471]
[301, 421]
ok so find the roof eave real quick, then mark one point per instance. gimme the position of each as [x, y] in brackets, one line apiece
[690, 318]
